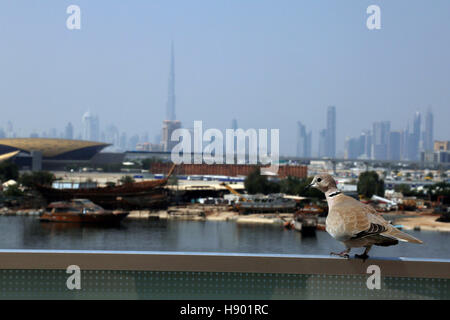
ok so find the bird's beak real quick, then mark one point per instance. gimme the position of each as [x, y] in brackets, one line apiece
[309, 185]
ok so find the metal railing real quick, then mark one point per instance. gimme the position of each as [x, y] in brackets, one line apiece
[44, 274]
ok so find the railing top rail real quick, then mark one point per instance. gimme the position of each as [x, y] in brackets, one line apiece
[202, 253]
[220, 262]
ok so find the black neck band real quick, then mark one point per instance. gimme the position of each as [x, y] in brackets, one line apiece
[334, 194]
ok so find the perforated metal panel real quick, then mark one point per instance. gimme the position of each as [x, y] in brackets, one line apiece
[117, 284]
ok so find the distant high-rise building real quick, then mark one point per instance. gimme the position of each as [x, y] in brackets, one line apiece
[308, 148]
[380, 140]
[303, 141]
[53, 133]
[123, 141]
[414, 140]
[405, 140]
[2, 133]
[168, 127]
[112, 135]
[234, 124]
[9, 130]
[144, 137]
[359, 147]
[428, 133]
[395, 141]
[352, 148]
[91, 127]
[170, 124]
[331, 132]
[132, 143]
[68, 132]
[323, 143]
[441, 146]
[366, 145]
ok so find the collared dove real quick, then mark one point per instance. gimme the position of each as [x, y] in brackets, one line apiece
[354, 223]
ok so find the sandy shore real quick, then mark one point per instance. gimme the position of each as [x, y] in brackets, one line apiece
[425, 223]
[196, 214]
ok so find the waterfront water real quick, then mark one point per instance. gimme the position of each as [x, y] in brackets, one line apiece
[24, 232]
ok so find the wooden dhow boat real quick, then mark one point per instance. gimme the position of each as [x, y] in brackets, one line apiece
[131, 196]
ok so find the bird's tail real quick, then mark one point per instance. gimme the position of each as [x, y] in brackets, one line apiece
[401, 236]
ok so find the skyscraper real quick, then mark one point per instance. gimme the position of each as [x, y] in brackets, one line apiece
[323, 143]
[91, 128]
[405, 143]
[395, 140]
[428, 133]
[331, 132]
[112, 135]
[9, 130]
[170, 123]
[413, 145]
[234, 124]
[68, 132]
[366, 144]
[380, 141]
[303, 141]
[169, 126]
[352, 148]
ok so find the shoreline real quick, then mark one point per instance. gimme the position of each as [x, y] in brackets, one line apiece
[423, 223]
[409, 220]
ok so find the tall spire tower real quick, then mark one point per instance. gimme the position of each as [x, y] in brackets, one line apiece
[170, 108]
[170, 124]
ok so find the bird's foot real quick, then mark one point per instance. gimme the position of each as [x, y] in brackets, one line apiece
[343, 254]
[363, 256]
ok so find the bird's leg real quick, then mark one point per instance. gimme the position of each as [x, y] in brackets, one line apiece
[365, 255]
[344, 254]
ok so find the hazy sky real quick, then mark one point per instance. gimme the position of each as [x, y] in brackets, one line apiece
[267, 63]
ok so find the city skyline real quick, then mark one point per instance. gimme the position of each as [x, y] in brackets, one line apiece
[266, 76]
[381, 142]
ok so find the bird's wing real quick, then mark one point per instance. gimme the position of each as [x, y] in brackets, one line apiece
[356, 219]
[361, 220]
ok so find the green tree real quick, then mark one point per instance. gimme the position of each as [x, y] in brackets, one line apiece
[31, 179]
[13, 191]
[369, 184]
[296, 186]
[290, 185]
[126, 180]
[8, 171]
[257, 183]
[403, 188]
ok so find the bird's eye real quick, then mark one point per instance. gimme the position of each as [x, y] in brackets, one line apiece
[320, 179]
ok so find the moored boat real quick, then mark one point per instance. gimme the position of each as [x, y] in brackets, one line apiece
[305, 223]
[138, 195]
[81, 211]
[266, 204]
